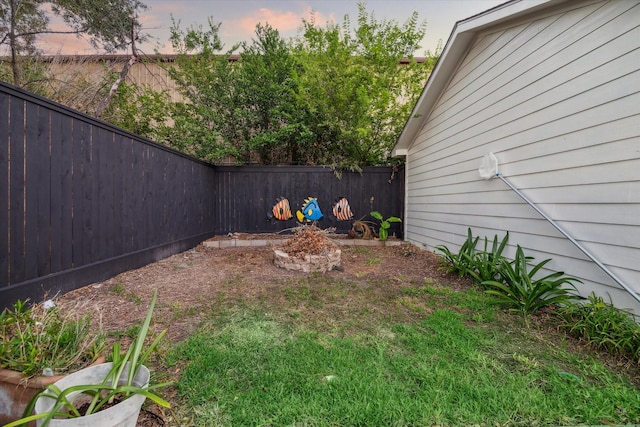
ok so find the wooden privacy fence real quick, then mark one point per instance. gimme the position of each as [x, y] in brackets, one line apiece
[246, 196]
[81, 200]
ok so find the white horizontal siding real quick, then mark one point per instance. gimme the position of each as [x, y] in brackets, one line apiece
[557, 99]
[543, 68]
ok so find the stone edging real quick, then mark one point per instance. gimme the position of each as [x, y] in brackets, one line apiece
[233, 243]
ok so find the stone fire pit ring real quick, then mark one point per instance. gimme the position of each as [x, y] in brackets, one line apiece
[310, 263]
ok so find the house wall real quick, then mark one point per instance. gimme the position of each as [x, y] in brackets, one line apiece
[68, 70]
[556, 97]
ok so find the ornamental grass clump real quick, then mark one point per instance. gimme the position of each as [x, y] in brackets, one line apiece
[118, 384]
[603, 326]
[44, 339]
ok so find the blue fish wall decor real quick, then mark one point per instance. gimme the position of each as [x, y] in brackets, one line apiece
[310, 210]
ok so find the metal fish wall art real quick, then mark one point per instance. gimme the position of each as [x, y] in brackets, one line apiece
[310, 210]
[342, 210]
[281, 210]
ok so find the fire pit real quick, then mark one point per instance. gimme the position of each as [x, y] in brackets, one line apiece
[308, 263]
[309, 250]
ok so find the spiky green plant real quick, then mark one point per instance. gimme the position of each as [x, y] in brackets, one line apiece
[486, 263]
[123, 366]
[519, 290]
[35, 338]
[461, 262]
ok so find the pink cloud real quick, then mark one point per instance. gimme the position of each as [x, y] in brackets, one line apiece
[285, 21]
[281, 20]
[57, 44]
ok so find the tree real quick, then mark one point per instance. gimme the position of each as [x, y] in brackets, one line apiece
[268, 87]
[208, 123]
[139, 109]
[356, 95]
[334, 96]
[22, 22]
[244, 108]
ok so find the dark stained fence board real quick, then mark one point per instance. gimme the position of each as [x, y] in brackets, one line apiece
[42, 186]
[247, 194]
[16, 192]
[103, 141]
[61, 192]
[132, 198]
[88, 190]
[118, 193]
[80, 180]
[34, 162]
[94, 163]
[82, 201]
[4, 196]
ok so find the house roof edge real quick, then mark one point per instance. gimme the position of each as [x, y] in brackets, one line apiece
[461, 38]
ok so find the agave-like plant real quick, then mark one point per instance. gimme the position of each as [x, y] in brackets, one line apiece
[462, 262]
[486, 264]
[519, 290]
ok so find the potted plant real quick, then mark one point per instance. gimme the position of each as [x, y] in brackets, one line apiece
[106, 395]
[39, 345]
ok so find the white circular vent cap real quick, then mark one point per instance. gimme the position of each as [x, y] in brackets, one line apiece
[488, 166]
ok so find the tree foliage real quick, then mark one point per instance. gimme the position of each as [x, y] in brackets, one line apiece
[207, 123]
[356, 95]
[333, 96]
[87, 17]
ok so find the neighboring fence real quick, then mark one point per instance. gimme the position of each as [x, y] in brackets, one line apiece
[81, 201]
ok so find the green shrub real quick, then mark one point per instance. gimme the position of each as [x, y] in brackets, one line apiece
[603, 326]
[462, 262]
[520, 291]
[36, 338]
[486, 264]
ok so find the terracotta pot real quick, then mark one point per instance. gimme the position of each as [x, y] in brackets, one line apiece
[16, 391]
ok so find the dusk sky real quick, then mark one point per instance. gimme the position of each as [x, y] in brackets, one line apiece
[239, 18]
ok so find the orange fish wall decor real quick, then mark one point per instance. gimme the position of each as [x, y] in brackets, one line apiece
[342, 210]
[281, 210]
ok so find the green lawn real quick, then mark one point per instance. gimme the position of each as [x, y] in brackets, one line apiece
[322, 351]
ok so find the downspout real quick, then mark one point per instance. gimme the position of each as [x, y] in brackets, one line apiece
[406, 197]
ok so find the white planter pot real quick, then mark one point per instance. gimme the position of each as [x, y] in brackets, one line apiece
[124, 414]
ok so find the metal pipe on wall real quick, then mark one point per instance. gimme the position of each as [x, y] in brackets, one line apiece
[489, 169]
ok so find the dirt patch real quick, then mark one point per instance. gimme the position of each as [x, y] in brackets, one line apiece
[190, 283]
